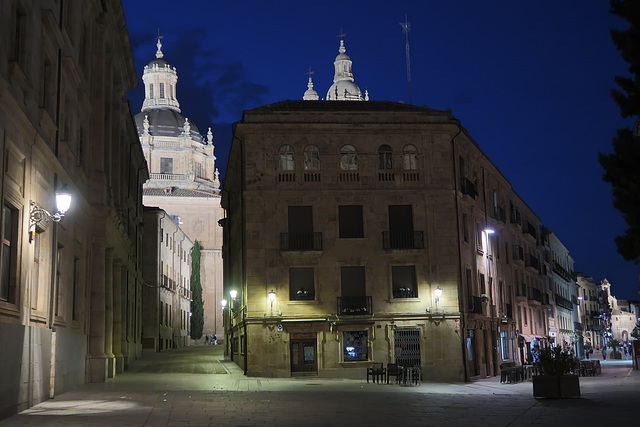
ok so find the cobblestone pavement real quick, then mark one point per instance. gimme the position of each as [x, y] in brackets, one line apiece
[197, 387]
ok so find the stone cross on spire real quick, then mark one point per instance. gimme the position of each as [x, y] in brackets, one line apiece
[159, 53]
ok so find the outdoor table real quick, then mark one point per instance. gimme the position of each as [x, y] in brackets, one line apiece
[410, 375]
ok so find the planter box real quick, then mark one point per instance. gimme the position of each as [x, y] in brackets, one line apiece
[556, 386]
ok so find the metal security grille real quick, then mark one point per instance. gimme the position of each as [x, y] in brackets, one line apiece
[407, 347]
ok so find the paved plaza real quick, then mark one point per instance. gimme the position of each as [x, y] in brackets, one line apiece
[196, 386]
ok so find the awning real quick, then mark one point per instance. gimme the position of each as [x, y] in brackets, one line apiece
[529, 338]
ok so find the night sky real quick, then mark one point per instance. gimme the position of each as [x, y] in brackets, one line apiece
[531, 81]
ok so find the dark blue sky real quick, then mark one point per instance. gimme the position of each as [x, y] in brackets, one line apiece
[529, 79]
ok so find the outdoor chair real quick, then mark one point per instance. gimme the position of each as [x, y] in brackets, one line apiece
[393, 370]
[376, 372]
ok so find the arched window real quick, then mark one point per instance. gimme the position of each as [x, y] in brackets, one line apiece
[286, 158]
[348, 158]
[385, 155]
[410, 157]
[311, 158]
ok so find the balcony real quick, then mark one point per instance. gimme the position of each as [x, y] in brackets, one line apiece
[518, 254]
[300, 241]
[355, 306]
[561, 271]
[468, 188]
[521, 292]
[476, 305]
[536, 296]
[509, 311]
[530, 229]
[532, 263]
[563, 302]
[402, 240]
[500, 214]
[515, 217]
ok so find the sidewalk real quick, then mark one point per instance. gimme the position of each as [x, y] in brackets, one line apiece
[148, 395]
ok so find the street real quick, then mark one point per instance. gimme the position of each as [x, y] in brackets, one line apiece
[195, 386]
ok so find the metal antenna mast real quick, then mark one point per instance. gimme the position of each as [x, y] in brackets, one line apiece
[406, 27]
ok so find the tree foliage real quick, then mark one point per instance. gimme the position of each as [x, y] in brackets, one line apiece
[197, 304]
[622, 166]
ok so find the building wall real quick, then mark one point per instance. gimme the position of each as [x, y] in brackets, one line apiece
[489, 281]
[167, 291]
[74, 289]
[199, 218]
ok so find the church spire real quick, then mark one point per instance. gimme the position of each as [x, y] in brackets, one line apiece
[343, 87]
[310, 94]
[160, 81]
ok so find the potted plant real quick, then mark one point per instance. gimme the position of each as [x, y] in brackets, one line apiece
[614, 344]
[555, 374]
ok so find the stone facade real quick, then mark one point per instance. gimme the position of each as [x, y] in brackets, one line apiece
[70, 301]
[565, 324]
[166, 270]
[354, 214]
[183, 180]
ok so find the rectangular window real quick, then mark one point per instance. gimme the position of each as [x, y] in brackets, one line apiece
[350, 222]
[161, 90]
[354, 299]
[198, 169]
[403, 279]
[35, 297]
[355, 346]
[9, 255]
[166, 165]
[301, 284]
[465, 227]
[151, 90]
[300, 226]
[401, 235]
[59, 302]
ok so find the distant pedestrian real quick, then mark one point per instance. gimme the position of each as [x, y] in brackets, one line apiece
[206, 339]
[215, 339]
[604, 353]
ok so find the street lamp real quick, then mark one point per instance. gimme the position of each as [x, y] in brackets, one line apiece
[272, 297]
[233, 294]
[438, 294]
[40, 217]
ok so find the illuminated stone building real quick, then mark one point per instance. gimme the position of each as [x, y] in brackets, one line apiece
[166, 301]
[183, 180]
[70, 296]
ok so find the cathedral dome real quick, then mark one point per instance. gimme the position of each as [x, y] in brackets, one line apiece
[166, 122]
[344, 90]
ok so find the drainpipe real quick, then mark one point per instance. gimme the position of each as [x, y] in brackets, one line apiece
[460, 273]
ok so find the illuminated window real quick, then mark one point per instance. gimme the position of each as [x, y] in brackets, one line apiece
[355, 346]
[348, 158]
[286, 158]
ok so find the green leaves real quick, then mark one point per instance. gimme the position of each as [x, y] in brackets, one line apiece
[197, 304]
